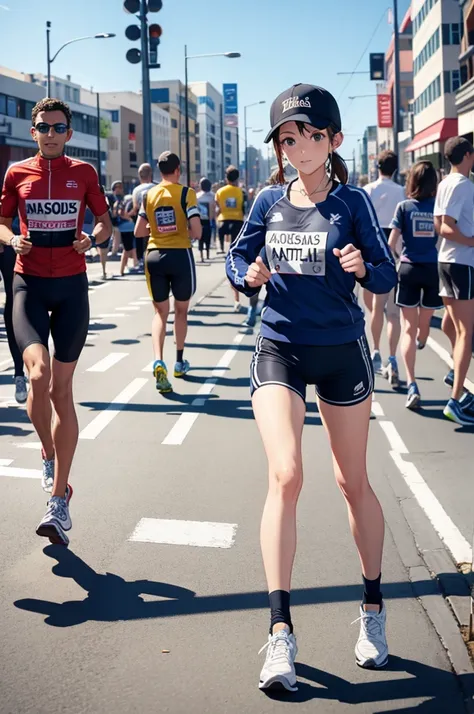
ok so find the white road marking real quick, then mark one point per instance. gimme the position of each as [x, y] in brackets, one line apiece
[92, 337]
[112, 314]
[227, 358]
[137, 302]
[103, 419]
[20, 473]
[29, 445]
[446, 357]
[218, 372]
[6, 462]
[181, 429]
[6, 363]
[394, 439]
[194, 533]
[128, 308]
[104, 364]
[149, 367]
[208, 386]
[198, 402]
[442, 523]
[238, 338]
[377, 409]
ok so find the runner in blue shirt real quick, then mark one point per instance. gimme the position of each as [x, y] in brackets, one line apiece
[309, 242]
[417, 292]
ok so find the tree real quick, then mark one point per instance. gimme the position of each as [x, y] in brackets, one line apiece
[105, 128]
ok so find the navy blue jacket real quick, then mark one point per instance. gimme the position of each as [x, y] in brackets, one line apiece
[310, 299]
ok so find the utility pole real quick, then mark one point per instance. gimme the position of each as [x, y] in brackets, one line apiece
[147, 138]
[48, 55]
[396, 86]
[222, 143]
[186, 118]
[99, 167]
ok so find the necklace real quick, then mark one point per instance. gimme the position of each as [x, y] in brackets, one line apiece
[303, 191]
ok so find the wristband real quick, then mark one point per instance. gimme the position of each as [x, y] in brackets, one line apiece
[14, 242]
[92, 239]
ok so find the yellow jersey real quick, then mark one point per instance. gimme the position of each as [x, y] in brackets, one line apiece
[231, 203]
[168, 208]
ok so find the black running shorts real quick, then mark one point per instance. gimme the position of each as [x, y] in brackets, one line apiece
[229, 228]
[170, 269]
[59, 306]
[418, 286]
[128, 240]
[457, 281]
[343, 374]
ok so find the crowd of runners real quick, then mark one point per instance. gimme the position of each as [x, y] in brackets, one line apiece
[330, 257]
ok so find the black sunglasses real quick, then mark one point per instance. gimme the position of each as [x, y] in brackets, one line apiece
[43, 127]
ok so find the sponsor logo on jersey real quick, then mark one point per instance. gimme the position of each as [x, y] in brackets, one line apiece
[422, 225]
[334, 219]
[294, 103]
[276, 217]
[71, 184]
[50, 215]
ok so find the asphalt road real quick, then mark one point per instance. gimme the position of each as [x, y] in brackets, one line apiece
[159, 604]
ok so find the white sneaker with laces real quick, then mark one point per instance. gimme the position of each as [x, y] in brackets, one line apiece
[279, 669]
[371, 650]
[56, 520]
[21, 389]
[47, 479]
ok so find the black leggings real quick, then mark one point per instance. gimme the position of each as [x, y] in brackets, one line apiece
[140, 245]
[7, 263]
[205, 239]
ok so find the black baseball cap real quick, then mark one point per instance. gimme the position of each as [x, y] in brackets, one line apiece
[307, 103]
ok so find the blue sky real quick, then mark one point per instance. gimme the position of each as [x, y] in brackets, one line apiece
[281, 42]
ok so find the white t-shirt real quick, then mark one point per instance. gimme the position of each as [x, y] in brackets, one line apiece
[385, 195]
[455, 198]
[204, 200]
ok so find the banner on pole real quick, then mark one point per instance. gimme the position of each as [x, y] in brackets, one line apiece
[384, 111]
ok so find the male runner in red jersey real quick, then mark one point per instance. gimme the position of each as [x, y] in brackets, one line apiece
[50, 192]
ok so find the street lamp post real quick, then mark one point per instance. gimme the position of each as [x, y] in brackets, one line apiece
[229, 55]
[50, 60]
[247, 106]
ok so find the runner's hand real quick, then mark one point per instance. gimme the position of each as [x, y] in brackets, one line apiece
[257, 274]
[83, 244]
[21, 244]
[351, 261]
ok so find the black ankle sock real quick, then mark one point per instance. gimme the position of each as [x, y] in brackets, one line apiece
[372, 592]
[179, 355]
[280, 609]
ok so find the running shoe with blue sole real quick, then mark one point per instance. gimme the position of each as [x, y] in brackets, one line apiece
[454, 411]
[160, 373]
[414, 397]
[181, 368]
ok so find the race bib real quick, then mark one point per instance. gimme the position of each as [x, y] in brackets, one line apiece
[204, 210]
[290, 252]
[231, 203]
[165, 217]
[422, 225]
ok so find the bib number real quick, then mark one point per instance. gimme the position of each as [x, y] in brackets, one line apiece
[293, 253]
[165, 217]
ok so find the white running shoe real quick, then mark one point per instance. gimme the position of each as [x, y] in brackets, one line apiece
[279, 669]
[371, 650]
[47, 479]
[21, 389]
[57, 519]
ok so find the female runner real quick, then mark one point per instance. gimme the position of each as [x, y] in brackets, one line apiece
[310, 241]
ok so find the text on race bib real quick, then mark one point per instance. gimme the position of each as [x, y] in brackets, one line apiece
[204, 210]
[231, 203]
[423, 225]
[292, 252]
[165, 217]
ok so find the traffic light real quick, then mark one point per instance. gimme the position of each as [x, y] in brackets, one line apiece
[154, 34]
[134, 32]
[377, 66]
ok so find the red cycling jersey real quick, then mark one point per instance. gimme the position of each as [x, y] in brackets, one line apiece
[50, 196]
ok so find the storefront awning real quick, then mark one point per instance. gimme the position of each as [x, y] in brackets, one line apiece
[440, 131]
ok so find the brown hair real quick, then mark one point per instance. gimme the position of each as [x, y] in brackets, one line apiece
[232, 174]
[387, 162]
[168, 163]
[422, 181]
[338, 165]
[456, 149]
[51, 105]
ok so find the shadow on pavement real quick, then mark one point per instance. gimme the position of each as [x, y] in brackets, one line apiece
[214, 346]
[125, 342]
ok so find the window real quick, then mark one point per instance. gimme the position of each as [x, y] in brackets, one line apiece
[3, 104]
[428, 51]
[452, 80]
[227, 136]
[452, 33]
[28, 109]
[422, 14]
[11, 107]
[132, 129]
[228, 148]
[132, 155]
[212, 128]
[115, 116]
[431, 93]
[75, 96]
[174, 123]
[213, 143]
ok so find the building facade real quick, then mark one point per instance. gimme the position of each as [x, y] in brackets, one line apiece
[368, 154]
[18, 94]
[170, 96]
[465, 94]
[437, 32]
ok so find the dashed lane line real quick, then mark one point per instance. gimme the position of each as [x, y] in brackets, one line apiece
[107, 362]
[98, 424]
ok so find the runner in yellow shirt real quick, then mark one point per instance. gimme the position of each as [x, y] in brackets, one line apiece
[170, 214]
[230, 200]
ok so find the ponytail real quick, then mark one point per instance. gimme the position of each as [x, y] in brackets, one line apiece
[338, 168]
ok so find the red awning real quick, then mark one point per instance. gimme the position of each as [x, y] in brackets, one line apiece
[442, 130]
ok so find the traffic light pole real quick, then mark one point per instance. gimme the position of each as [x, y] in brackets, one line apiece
[147, 135]
[396, 87]
[186, 117]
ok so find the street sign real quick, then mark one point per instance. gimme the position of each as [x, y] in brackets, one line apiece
[230, 98]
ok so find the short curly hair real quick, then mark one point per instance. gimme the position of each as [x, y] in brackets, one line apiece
[52, 105]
